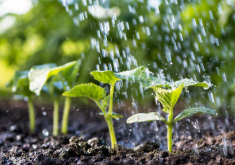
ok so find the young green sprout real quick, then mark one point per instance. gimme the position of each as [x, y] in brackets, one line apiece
[167, 97]
[98, 94]
[20, 84]
[54, 81]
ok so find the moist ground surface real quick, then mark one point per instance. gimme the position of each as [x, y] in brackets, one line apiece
[200, 140]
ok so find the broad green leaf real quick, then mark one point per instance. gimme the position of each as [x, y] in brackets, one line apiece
[20, 79]
[142, 117]
[39, 74]
[168, 97]
[56, 70]
[190, 82]
[191, 111]
[20, 83]
[114, 115]
[140, 75]
[105, 76]
[90, 90]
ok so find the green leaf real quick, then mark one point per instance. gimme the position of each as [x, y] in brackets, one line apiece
[39, 74]
[20, 79]
[168, 97]
[114, 115]
[56, 70]
[140, 75]
[142, 117]
[191, 111]
[70, 74]
[90, 90]
[190, 82]
[105, 76]
[20, 83]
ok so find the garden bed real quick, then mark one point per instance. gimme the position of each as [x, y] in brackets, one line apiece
[198, 140]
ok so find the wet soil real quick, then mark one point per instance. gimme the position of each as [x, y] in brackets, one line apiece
[199, 140]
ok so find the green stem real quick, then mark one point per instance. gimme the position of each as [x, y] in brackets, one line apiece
[108, 118]
[62, 80]
[66, 115]
[169, 131]
[101, 108]
[111, 99]
[56, 117]
[31, 115]
[169, 137]
[109, 121]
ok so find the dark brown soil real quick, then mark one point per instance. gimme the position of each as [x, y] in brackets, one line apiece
[204, 140]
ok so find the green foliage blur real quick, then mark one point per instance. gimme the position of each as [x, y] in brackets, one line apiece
[174, 39]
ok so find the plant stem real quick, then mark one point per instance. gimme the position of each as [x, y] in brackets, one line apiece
[169, 137]
[56, 117]
[109, 118]
[169, 131]
[109, 121]
[31, 114]
[111, 99]
[66, 115]
[101, 108]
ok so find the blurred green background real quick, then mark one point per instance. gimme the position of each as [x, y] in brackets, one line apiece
[174, 39]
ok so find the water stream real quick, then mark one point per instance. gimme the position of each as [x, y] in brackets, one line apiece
[175, 39]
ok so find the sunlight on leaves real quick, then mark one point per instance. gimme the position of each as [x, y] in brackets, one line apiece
[39, 74]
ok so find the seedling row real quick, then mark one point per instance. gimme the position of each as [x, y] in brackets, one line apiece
[58, 81]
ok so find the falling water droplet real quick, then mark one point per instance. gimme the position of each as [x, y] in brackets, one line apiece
[45, 132]
[224, 77]
[211, 97]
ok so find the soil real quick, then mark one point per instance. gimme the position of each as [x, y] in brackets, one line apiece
[198, 140]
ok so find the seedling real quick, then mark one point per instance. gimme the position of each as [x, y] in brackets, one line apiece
[20, 84]
[98, 94]
[167, 94]
[54, 81]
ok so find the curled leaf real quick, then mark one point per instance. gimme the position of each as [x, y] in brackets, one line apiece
[142, 76]
[191, 111]
[190, 82]
[142, 117]
[168, 97]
